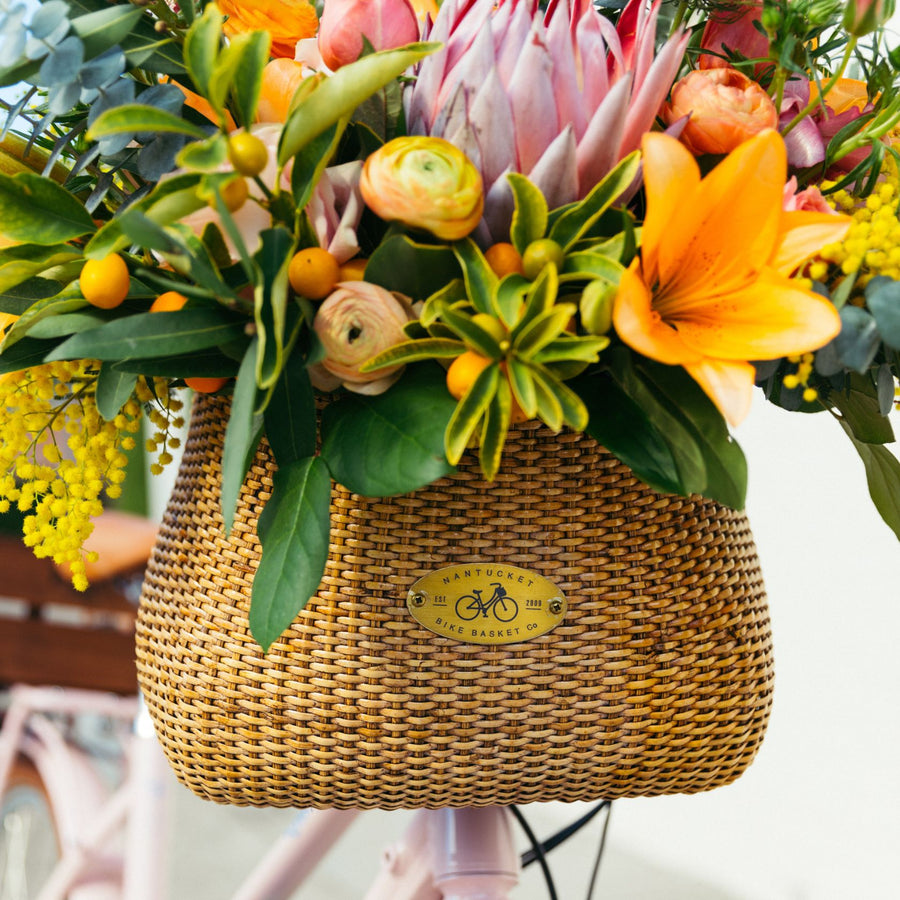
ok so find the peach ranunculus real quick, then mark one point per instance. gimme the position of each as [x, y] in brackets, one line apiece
[725, 108]
[287, 21]
[424, 182]
[385, 24]
[711, 289]
[354, 323]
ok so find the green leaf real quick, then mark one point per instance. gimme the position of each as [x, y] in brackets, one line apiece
[861, 412]
[59, 326]
[481, 282]
[570, 226]
[417, 270]
[542, 329]
[242, 435]
[201, 48]
[25, 353]
[522, 383]
[132, 117]
[103, 29]
[113, 390]
[152, 335]
[254, 54]
[529, 221]
[723, 459]
[68, 300]
[509, 298]
[311, 162]
[414, 351]
[23, 261]
[272, 261]
[882, 477]
[36, 210]
[549, 407]
[291, 424]
[581, 348]
[474, 335]
[403, 429]
[204, 156]
[469, 411]
[539, 299]
[199, 364]
[573, 411]
[495, 429]
[586, 264]
[337, 96]
[294, 531]
[17, 298]
[619, 424]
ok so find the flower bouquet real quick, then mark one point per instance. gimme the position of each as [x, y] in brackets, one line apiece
[435, 224]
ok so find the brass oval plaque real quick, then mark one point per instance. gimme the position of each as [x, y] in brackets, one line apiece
[486, 603]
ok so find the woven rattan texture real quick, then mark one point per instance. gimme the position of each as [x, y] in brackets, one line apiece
[659, 680]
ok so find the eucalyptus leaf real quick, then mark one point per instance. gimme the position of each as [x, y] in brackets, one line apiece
[403, 429]
[859, 339]
[294, 532]
[883, 301]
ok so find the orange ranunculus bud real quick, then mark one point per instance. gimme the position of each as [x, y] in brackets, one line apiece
[280, 80]
[384, 23]
[861, 17]
[426, 183]
[725, 108]
[354, 323]
[287, 21]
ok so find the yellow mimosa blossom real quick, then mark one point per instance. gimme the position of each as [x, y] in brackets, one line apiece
[711, 289]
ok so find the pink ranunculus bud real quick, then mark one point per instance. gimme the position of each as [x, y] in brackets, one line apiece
[424, 182]
[384, 23]
[861, 17]
[808, 200]
[725, 107]
[354, 323]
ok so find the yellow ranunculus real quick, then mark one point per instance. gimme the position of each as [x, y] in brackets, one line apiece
[424, 182]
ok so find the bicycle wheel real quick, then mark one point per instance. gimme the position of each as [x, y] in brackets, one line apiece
[506, 609]
[469, 611]
[29, 847]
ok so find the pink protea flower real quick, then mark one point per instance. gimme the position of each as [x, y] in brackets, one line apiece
[560, 97]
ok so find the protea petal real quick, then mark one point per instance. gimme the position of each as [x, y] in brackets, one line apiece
[556, 172]
[567, 82]
[492, 122]
[599, 149]
[531, 91]
[594, 47]
[498, 209]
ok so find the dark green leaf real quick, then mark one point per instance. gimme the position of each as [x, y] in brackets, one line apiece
[272, 261]
[291, 414]
[403, 429]
[495, 429]
[36, 210]
[474, 335]
[587, 264]
[204, 156]
[860, 410]
[200, 364]
[242, 435]
[311, 161]
[883, 478]
[69, 300]
[542, 329]
[153, 334]
[113, 390]
[294, 531]
[71, 323]
[412, 268]
[25, 353]
[103, 29]
[19, 297]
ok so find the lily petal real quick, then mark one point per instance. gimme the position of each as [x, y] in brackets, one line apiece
[728, 384]
[804, 234]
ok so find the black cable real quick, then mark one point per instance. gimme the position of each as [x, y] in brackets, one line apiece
[563, 834]
[600, 850]
[538, 850]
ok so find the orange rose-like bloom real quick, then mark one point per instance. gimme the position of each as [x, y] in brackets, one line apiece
[424, 182]
[287, 21]
[725, 107]
[280, 80]
[354, 323]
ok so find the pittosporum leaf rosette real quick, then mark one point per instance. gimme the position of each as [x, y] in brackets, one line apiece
[449, 220]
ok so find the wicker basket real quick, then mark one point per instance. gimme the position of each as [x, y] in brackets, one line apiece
[658, 680]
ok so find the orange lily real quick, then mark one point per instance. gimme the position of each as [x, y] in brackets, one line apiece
[711, 289]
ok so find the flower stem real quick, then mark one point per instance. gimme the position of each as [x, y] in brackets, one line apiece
[848, 52]
[680, 14]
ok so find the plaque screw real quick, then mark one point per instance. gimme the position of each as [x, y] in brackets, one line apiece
[417, 599]
[555, 606]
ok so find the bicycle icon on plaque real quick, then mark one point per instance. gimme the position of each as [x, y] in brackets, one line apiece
[503, 607]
